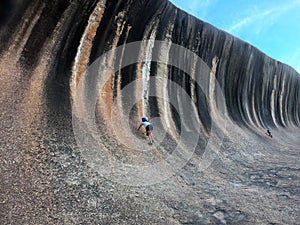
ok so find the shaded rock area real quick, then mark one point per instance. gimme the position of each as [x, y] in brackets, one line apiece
[53, 166]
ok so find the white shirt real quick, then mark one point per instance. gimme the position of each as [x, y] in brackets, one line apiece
[146, 124]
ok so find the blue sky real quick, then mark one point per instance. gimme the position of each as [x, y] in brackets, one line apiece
[273, 26]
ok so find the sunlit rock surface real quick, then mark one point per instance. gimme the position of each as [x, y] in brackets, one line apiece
[216, 90]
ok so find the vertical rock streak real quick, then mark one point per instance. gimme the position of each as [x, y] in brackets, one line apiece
[146, 70]
[84, 49]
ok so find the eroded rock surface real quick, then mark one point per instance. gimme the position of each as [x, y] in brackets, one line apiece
[47, 49]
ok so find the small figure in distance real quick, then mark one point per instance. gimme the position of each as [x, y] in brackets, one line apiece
[269, 133]
[149, 127]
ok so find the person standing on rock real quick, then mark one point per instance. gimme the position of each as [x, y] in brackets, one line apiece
[149, 127]
[269, 133]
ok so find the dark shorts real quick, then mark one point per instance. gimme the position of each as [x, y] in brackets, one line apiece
[149, 127]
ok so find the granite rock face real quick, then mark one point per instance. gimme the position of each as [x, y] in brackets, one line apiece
[76, 76]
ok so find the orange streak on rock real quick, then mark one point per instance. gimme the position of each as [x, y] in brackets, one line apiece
[84, 49]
